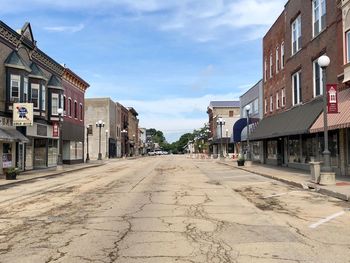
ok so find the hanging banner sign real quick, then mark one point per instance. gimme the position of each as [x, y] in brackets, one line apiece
[55, 129]
[22, 114]
[332, 98]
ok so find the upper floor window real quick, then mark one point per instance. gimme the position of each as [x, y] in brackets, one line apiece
[15, 87]
[54, 104]
[69, 107]
[282, 55]
[230, 113]
[317, 77]
[64, 103]
[271, 65]
[318, 16]
[277, 100]
[35, 95]
[271, 103]
[266, 106]
[43, 97]
[283, 97]
[256, 106]
[277, 60]
[81, 111]
[75, 109]
[296, 35]
[296, 84]
[265, 69]
[25, 90]
[347, 39]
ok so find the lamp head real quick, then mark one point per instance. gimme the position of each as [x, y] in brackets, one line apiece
[323, 61]
[60, 111]
[247, 107]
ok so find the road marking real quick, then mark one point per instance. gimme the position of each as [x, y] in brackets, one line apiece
[269, 196]
[325, 220]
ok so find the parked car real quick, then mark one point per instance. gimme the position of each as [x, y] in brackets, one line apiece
[151, 153]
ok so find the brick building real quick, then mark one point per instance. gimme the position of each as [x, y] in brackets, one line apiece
[312, 29]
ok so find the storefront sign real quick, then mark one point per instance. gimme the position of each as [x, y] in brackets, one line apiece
[6, 160]
[55, 130]
[332, 98]
[22, 114]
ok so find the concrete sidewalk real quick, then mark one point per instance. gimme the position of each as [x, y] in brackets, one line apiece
[49, 172]
[297, 178]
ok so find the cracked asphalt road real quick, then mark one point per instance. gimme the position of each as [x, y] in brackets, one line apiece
[168, 209]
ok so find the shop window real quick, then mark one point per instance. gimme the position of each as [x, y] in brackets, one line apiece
[7, 155]
[309, 149]
[294, 151]
[272, 150]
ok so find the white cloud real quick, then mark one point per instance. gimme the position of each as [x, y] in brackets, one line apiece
[69, 29]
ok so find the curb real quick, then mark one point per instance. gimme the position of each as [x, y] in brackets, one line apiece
[306, 186]
[49, 175]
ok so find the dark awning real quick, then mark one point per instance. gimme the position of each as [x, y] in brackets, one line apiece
[10, 134]
[239, 126]
[296, 120]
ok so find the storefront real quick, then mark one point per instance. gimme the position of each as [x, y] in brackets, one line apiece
[42, 150]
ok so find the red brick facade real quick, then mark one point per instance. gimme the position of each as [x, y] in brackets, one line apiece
[273, 46]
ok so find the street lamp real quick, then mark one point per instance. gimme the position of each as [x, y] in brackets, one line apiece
[87, 143]
[59, 157]
[99, 124]
[124, 132]
[220, 121]
[323, 62]
[226, 135]
[106, 143]
[247, 108]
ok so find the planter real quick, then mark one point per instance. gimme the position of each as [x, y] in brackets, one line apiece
[240, 162]
[11, 176]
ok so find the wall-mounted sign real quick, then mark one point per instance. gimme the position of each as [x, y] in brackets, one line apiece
[55, 129]
[332, 98]
[22, 114]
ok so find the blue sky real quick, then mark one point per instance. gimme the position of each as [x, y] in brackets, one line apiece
[165, 58]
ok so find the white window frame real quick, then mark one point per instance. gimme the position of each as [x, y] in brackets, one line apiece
[277, 60]
[298, 88]
[283, 102]
[271, 66]
[277, 100]
[35, 86]
[75, 109]
[81, 110]
[43, 97]
[347, 40]
[282, 56]
[15, 78]
[296, 33]
[53, 110]
[266, 106]
[25, 89]
[321, 5]
[271, 103]
[69, 107]
[314, 69]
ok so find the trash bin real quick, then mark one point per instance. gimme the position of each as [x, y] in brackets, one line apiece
[315, 168]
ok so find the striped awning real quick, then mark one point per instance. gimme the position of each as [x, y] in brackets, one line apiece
[336, 120]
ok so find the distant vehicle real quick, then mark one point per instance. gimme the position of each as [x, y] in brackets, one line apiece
[151, 153]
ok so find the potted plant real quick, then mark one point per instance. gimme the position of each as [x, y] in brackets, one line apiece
[240, 160]
[11, 173]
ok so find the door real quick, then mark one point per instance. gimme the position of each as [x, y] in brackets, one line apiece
[280, 151]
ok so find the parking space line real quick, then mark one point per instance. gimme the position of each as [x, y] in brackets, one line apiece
[275, 195]
[327, 219]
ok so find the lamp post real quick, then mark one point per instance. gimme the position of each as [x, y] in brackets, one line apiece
[59, 157]
[87, 143]
[247, 109]
[226, 135]
[99, 125]
[323, 62]
[124, 132]
[220, 122]
[106, 143]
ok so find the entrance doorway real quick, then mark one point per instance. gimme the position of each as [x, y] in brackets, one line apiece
[280, 152]
[40, 153]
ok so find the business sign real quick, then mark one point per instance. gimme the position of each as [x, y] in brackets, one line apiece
[55, 129]
[22, 114]
[6, 160]
[332, 98]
